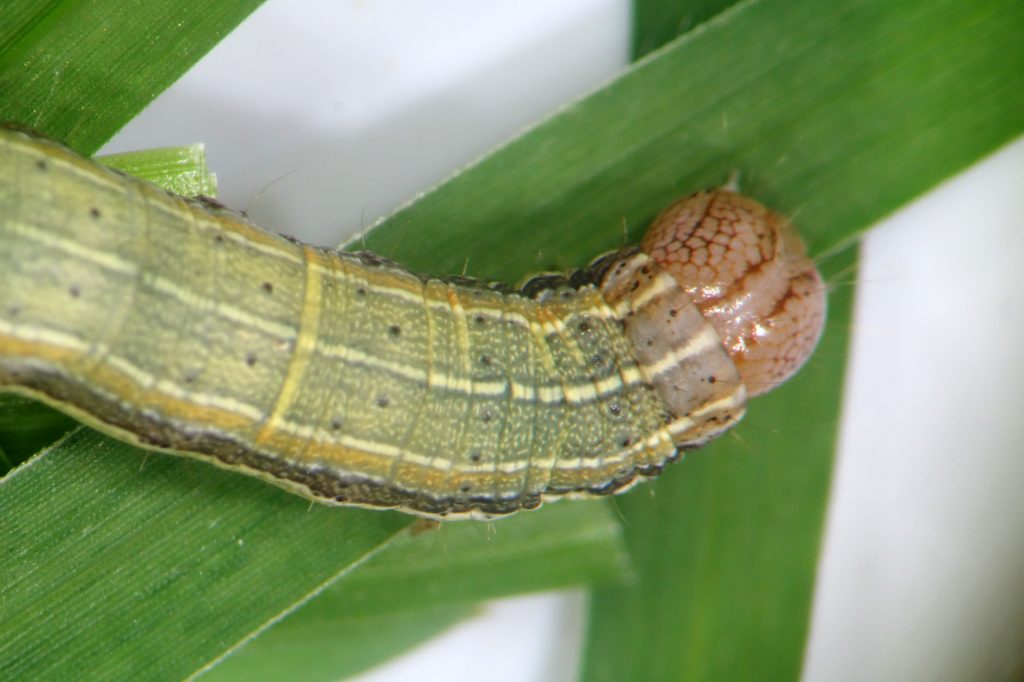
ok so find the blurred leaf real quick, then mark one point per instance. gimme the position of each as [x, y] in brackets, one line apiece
[27, 426]
[437, 574]
[657, 22]
[336, 647]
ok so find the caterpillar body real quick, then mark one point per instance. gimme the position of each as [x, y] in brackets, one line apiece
[181, 326]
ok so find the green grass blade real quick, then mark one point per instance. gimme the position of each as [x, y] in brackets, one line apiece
[559, 546]
[128, 565]
[181, 170]
[78, 70]
[430, 573]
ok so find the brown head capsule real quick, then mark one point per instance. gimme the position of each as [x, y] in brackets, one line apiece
[720, 302]
[748, 273]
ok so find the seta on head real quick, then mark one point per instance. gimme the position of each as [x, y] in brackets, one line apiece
[747, 272]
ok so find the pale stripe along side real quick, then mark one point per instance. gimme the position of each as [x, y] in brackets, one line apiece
[180, 325]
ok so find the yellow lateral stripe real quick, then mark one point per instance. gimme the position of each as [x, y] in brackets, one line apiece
[335, 450]
[112, 381]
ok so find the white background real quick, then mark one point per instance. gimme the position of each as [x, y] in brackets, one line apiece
[320, 116]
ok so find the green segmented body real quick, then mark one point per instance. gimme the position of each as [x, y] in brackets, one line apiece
[179, 325]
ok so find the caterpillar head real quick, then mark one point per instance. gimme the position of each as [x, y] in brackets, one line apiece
[748, 273]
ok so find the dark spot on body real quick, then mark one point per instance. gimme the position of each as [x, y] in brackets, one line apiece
[615, 408]
[487, 416]
[74, 291]
[268, 287]
[14, 311]
[94, 212]
[190, 376]
[475, 456]
[636, 285]
[219, 238]
[394, 331]
[650, 342]
[584, 327]
[673, 312]
[485, 360]
[41, 164]
[336, 423]
[361, 291]
[466, 488]
[712, 379]
[250, 359]
[596, 359]
[383, 401]
[625, 441]
[480, 319]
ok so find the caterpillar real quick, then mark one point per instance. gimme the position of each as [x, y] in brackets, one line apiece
[178, 325]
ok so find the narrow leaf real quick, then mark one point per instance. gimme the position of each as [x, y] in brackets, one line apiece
[126, 564]
[435, 574]
[181, 170]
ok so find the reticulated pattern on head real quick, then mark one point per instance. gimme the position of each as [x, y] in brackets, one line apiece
[748, 273]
